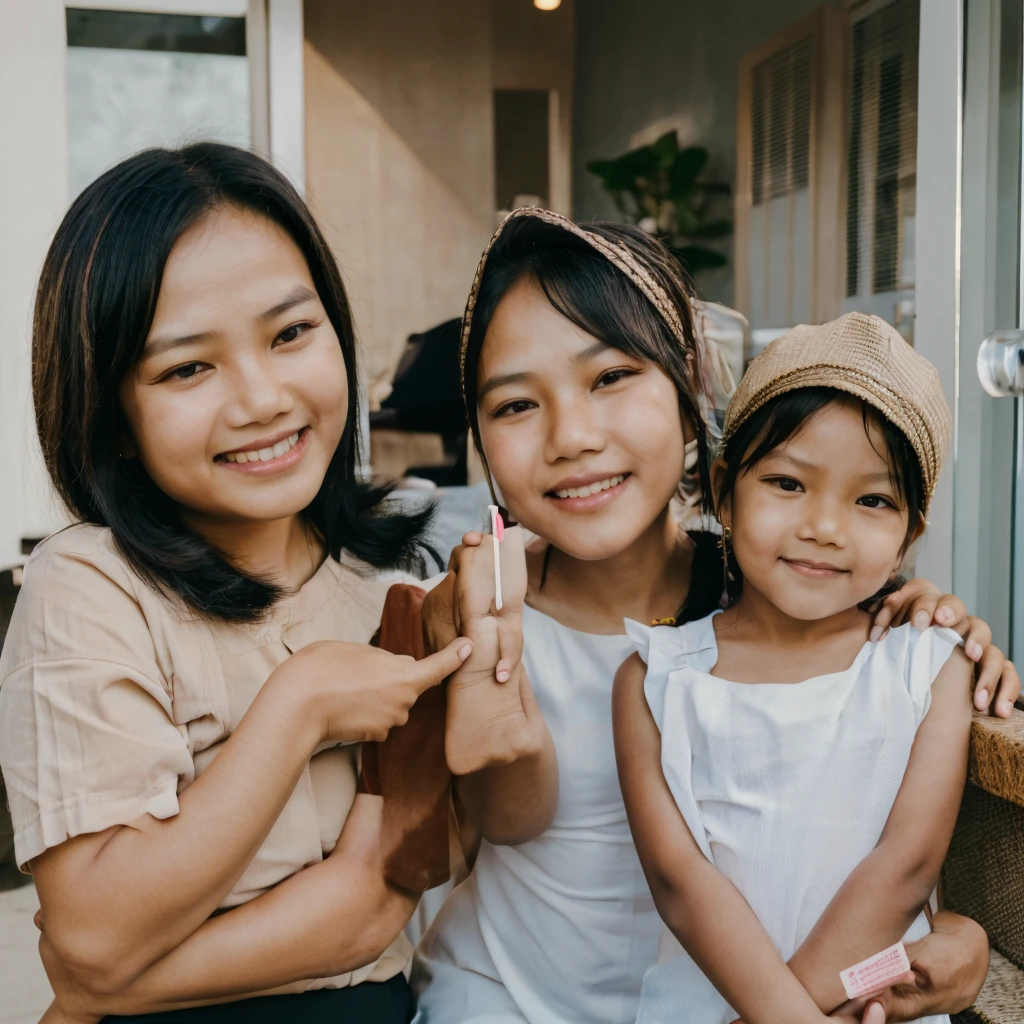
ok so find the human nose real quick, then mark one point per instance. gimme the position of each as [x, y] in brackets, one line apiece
[259, 395]
[824, 522]
[574, 428]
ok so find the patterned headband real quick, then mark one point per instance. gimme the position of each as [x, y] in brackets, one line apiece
[616, 254]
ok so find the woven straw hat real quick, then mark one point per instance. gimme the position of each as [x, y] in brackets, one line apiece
[865, 357]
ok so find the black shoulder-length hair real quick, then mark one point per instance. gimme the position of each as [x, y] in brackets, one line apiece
[591, 292]
[94, 309]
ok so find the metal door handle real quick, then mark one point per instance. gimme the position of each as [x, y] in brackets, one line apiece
[1001, 364]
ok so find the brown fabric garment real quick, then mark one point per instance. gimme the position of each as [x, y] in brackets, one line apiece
[409, 769]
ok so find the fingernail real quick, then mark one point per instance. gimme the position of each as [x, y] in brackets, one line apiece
[465, 651]
[876, 632]
[502, 676]
[981, 700]
[921, 621]
[974, 651]
[944, 615]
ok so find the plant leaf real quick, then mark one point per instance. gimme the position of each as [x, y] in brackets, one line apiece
[686, 168]
[696, 257]
[712, 229]
[666, 147]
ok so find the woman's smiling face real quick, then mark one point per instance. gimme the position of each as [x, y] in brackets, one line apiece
[585, 442]
[240, 398]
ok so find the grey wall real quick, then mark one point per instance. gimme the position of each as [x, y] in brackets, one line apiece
[665, 63]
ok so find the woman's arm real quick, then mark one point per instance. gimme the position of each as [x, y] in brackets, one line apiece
[885, 892]
[116, 902]
[328, 919]
[697, 902]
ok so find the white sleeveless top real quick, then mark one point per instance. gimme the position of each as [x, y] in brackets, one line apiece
[559, 929]
[785, 786]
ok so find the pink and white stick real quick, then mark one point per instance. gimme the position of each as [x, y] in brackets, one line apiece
[498, 532]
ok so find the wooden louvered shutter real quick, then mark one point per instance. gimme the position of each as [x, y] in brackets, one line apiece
[881, 179]
[789, 176]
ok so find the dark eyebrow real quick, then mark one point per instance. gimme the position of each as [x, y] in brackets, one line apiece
[881, 476]
[588, 353]
[497, 382]
[296, 296]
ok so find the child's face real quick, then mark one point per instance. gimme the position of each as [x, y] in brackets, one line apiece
[559, 410]
[817, 527]
[241, 357]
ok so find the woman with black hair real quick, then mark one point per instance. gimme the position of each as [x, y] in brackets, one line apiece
[186, 678]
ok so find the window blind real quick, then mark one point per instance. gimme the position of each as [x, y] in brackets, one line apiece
[882, 150]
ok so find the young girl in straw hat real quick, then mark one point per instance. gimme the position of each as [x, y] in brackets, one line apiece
[582, 378]
[780, 771]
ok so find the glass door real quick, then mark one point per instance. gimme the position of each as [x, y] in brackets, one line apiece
[988, 509]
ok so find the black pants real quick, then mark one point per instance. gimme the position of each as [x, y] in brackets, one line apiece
[385, 1002]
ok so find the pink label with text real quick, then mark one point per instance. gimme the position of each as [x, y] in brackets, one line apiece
[875, 973]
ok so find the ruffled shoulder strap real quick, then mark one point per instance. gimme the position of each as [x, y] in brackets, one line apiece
[666, 649]
[918, 658]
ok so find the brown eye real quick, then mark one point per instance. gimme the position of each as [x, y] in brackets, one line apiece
[184, 372]
[875, 501]
[293, 332]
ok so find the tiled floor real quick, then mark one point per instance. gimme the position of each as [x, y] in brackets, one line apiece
[24, 990]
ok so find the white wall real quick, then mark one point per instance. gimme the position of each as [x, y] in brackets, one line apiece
[652, 65]
[33, 194]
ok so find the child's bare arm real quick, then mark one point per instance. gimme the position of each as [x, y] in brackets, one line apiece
[697, 902]
[496, 740]
[887, 890]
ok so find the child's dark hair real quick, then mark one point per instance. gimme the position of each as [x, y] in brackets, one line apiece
[94, 310]
[758, 436]
[591, 292]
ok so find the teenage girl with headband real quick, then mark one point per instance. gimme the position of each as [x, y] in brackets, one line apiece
[781, 772]
[581, 378]
[186, 679]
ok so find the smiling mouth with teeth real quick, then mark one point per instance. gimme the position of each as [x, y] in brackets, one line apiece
[264, 454]
[588, 489]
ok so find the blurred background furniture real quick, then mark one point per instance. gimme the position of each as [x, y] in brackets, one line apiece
[420, 428]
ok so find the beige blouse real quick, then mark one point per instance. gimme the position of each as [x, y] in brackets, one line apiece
[112, 701]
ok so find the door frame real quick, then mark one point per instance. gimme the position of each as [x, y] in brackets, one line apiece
[937, 245]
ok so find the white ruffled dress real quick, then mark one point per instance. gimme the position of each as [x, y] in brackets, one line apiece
[785, 786]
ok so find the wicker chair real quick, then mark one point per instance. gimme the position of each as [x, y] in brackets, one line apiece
[984, 872]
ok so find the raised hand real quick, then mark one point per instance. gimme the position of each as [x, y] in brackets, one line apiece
[488, 697]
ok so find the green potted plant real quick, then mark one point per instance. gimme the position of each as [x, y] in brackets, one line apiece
[657, 187]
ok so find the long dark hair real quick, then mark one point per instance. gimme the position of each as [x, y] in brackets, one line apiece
[767, 430]
[94, 310]
[588, 290]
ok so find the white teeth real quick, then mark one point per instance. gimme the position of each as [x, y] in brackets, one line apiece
[588, 489]
[265, 454]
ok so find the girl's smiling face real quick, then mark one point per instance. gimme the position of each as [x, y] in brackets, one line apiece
[240, 398]
[817, 525]
[585, 442]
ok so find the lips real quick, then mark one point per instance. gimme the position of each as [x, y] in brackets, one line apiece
[263, 450]
[816, 570]
[587, 489]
